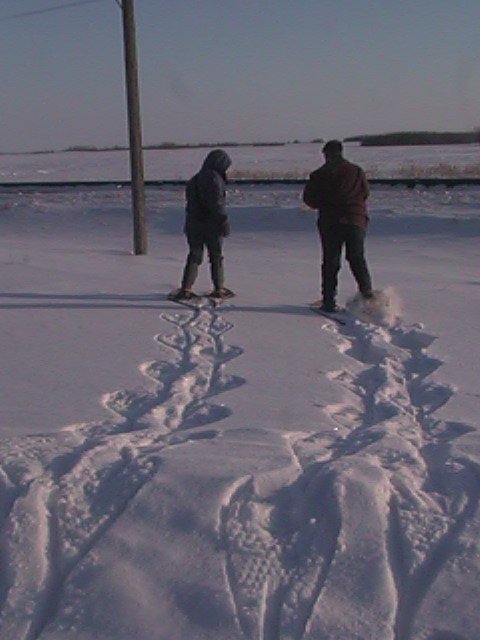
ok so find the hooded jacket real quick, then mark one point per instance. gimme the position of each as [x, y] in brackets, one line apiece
[339, 190]
[205, 195]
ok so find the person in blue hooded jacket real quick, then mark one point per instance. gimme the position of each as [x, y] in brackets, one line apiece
[206, 225]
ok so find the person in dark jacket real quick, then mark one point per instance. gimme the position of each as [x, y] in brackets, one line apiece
[206, 224]
[339, 190]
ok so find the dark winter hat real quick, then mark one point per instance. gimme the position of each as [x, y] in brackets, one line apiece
[333, 148]
[218, 160]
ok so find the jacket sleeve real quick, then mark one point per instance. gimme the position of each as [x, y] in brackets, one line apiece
[365, 185]
[311, 195]
[214, 197]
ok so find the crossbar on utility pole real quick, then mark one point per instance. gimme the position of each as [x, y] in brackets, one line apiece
[135, 129]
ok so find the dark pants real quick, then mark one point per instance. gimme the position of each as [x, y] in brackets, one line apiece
[333, 237]
[197, 241]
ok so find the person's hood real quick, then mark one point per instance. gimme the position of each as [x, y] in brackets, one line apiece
[217, 160]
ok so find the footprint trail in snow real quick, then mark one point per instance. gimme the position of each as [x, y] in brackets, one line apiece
[381, 515]
[60, 494]
[385, 505]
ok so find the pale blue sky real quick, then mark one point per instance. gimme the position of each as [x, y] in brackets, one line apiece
[240, 70]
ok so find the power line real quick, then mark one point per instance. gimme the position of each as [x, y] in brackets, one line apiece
[48, 9]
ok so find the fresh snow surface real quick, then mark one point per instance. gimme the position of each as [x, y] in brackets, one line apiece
[247, 471]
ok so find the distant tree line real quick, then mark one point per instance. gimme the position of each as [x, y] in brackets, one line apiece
[162, 145]
[174, 145]
[416, 138]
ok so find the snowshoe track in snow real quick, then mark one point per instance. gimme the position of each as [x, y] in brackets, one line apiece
[354, 547]
[381, 500]
[60, 494]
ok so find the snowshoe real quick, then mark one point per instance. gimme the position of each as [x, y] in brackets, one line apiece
[183, 295]
[326, 307]
[221, 294]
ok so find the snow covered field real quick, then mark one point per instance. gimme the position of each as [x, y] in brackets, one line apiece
[251, 471]
[294, 160]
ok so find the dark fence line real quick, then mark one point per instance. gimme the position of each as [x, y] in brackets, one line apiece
[406, 182]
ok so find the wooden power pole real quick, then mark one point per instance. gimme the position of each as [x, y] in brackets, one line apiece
[135, 128]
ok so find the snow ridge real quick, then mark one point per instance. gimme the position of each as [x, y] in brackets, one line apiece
[358, 545]
[61, 494]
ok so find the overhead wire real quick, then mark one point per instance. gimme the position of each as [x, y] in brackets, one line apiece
[26, 14]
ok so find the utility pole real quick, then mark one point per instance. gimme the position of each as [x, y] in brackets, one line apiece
[135, 129]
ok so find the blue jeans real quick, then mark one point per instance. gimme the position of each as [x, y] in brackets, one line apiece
[333, 237]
